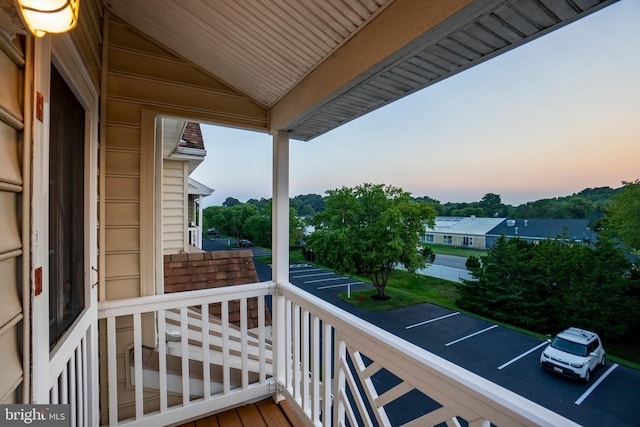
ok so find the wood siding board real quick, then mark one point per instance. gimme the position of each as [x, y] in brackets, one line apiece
[122, 137]
[132, 63]
[118, 239]
[10, 222]
[10, 89]
[11, 365]
[123, 112]
[10, 303]
[121, 35]
[123, 264]
[122, 287]
[10, 162]
[119, 162]
[158, 93]
[122, 213]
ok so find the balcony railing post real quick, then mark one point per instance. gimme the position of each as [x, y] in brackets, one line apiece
[280, 231]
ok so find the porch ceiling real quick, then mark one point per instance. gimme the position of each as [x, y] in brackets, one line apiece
[316, 65]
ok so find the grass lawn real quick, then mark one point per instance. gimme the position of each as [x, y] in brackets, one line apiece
[406, 289]
[453, 250]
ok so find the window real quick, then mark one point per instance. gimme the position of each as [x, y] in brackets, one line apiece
[467, 241]
[66, 209]
[447, 240]
[428, 238]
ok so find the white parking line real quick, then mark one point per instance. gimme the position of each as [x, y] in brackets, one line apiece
[522, 355]
[595, 384]
[298, 265]
[324, 280]
[472, 335]
[341, 284]
[312, 275]
[432, 320]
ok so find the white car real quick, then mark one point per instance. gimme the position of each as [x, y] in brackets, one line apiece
[574, 353]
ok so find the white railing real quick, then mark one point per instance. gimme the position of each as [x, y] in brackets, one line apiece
[195, 237]
[334, 365]
[169, 360]
[331, 346]
[73, 371]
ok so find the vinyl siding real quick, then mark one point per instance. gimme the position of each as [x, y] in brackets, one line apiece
[174, 227]
[11, 193]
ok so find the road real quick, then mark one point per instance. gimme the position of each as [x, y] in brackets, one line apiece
[451, 261]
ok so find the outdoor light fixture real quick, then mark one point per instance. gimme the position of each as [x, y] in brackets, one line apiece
[49, 16]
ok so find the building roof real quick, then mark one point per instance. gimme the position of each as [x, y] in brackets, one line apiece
[465, 225]
[198, 189]
[545, 228]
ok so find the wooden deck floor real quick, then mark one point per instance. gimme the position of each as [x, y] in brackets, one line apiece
[265, 413]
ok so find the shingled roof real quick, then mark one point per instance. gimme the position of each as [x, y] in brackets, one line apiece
[192, 136]
[203, 270]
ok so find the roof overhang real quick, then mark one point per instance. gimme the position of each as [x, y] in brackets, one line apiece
[317, 65]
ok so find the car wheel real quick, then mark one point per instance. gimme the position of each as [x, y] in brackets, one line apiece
[587, 376]
[603, 360]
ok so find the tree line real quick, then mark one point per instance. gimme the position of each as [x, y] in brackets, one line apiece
[553, 284]
[589, 203]
[249, 221]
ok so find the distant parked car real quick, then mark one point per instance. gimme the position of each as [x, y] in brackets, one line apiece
[245, 243]
[213, 232]
[574, 353]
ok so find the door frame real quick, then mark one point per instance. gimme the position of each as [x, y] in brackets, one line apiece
[61, 52]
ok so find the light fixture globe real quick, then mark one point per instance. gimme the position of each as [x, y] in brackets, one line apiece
[49, 16]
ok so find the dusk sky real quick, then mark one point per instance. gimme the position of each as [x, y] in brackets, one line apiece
[548, 119]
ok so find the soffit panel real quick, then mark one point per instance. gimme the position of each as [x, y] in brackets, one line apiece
[261, 48]
[508, 25]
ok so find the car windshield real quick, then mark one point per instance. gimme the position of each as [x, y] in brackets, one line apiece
[569, 346]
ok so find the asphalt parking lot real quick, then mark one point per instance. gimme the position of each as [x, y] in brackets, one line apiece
[506, 357]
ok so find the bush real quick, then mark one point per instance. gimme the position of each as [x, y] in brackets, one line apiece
[473, 262]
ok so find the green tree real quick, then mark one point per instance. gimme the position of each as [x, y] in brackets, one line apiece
[258, 227]
[473, 263]
[230, 202]
[552, 285]
[234, 218]
[210, 217]
[502, 284]
[369, 229]
[622, 217]
[579, 207]
[491, 205]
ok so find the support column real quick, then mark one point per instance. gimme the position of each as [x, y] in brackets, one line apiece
[280, 252]
[200, 229]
